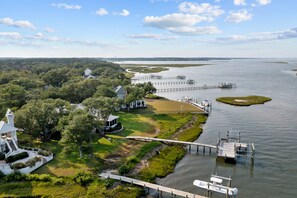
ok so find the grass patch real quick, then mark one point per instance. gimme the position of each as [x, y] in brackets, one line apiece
[163, 163]
[244, 101]
[145, 69]
[67, 188]
[191, 134]
[169, 106]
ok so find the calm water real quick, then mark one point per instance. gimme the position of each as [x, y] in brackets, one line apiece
[272, 127]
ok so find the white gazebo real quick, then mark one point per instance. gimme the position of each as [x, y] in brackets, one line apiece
[111, 122]
[8, 135]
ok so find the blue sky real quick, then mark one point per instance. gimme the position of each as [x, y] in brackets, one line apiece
[148, 28]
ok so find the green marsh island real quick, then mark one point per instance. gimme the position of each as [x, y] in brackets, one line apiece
[244, 101]
[154, 68]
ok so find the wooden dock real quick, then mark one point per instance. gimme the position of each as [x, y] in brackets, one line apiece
[160, 189]
[166, 141]
[193, 88]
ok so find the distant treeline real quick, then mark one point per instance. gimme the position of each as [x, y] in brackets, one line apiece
[165, 59]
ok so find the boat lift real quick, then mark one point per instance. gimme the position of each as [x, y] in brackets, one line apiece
[216, 185]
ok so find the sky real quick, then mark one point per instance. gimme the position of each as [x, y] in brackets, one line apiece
[148, 28]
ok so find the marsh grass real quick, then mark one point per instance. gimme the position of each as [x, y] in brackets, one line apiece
[244, 101]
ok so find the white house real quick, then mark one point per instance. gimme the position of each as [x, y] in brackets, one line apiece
[8, 135]
[111, 122]
[88, 73]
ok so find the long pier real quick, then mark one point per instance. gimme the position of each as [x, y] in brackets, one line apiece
[166, 141]
[160, 189]
[154, 77]
[192, 88]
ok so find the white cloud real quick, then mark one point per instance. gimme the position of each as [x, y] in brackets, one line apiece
[239, 2]
[239, 16]
[151, 36]
[263, 2]
[217, 1]
[203, 8]
[66, 6]
[49, 30]
[257, 37]
[101, 12]
[12, 35]
[181, 23]
[174, 20]
[21, 24]
[124, 12]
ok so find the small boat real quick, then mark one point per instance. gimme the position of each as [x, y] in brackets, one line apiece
[181, 77]
[190, 81]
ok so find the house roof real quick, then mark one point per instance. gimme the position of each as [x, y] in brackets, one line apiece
[112, 117]
[5, 128]
[88, 72]
[120, 90]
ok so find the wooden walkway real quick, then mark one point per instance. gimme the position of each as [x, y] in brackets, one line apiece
[192, 88]
[156, 77]
[149, 139]
[148, 185]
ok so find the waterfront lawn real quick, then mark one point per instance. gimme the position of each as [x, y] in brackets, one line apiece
[169, 106]
[244, 101]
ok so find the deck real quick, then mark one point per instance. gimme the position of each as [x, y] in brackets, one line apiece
[157, 187]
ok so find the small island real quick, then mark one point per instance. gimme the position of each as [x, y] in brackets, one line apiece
[154, 68]
[244, 101]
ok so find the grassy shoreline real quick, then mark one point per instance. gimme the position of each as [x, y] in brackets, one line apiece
[112, 152]
[244, 101]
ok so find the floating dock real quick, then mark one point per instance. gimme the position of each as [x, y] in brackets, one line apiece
[146, 185]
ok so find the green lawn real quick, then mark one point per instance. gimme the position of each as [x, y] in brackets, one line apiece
[244, 101]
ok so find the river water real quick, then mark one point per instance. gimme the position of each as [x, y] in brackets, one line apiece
[272, 127]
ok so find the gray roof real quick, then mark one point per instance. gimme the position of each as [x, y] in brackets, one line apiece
[120, 90]
[5, 128]
[111, 118]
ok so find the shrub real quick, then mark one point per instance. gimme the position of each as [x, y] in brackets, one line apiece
[31, 162]
[15, 177]
[1, 175]
[16, 157]
[37, 177]
[2, 156]
[83, 178]
[44, 153]
[58, 181]
[19, 165]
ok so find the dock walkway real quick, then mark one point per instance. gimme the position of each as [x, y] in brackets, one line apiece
[149, 139]
[159, 188]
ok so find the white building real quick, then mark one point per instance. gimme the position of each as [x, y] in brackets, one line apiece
[8, 135]
[88, 73]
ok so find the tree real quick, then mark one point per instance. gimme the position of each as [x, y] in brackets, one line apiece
[133, 93]
[101, 107]
[77, 133]
[40, 118]
[105, 91]
[148, 88]
[11, 96]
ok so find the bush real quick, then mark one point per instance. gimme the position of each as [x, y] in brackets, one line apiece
[37, 177]
[19, 165]
[15, 177]
[2, 156]
[31, 162]
[16, 157]
[1, 175]
[83, 178]
[44, 153]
